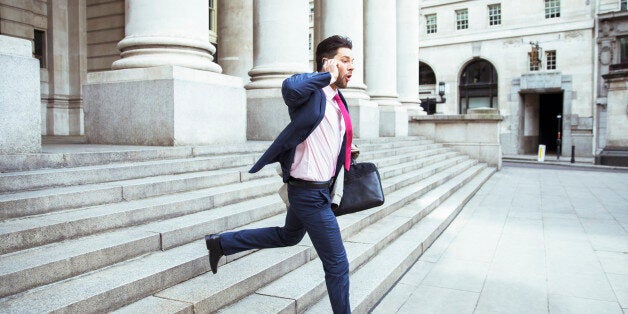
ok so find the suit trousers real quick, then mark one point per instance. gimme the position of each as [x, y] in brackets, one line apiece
[309, 211]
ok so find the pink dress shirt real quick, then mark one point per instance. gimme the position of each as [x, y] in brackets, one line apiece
[315, 158]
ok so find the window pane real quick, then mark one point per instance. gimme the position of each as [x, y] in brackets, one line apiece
[431, 23]
[39, 45]
[624, 5]
[495, 14]
[552, 8]
[477, 102]
[623, 44]
[551, 59]
[426, 74]
[462, 19]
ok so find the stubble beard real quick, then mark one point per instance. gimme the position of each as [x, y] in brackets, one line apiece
[340, 82]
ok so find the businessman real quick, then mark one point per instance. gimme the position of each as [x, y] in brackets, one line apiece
[312, 149]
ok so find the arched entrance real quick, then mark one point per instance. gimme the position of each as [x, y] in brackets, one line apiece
[427, 88]
[478, 86]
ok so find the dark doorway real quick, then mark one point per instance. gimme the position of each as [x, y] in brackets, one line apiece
[550, 107]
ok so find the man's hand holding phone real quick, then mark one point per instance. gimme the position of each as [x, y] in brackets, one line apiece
[331, 66]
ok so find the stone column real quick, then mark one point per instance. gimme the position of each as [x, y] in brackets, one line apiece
[20, 121]
[166, 90]
[235, 37]
[617, 112]
[165, 32]
[67, 45]
[280, 49]
[345, 18]
[381, 66]
[408, 55]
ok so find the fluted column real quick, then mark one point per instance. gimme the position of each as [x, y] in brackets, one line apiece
[381, 66]
[165, 32]
[345, 18]
[408, 55]
[235, 37]
[280, 49]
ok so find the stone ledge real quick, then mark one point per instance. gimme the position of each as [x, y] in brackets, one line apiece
[459, 117]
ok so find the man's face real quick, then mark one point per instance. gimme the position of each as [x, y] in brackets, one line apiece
[344, 56]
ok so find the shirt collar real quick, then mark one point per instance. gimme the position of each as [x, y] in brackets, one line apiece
[329, 92]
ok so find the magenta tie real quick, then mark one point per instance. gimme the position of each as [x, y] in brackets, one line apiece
[348, 132]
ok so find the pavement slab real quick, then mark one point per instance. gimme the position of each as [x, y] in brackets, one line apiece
[534, 239]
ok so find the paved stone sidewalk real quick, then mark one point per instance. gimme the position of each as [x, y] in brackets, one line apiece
[532, 240]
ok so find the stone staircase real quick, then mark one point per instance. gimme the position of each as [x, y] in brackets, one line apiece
[121, 228]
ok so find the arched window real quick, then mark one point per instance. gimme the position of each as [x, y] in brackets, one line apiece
[426, 75]
[478, 86]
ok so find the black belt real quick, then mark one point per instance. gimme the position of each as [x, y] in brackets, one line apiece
[309, 184]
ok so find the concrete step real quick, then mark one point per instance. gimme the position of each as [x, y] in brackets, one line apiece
[46, 178]
[16, 234]
[172, 232]
[27, 203]
[371, 282]
[296, 290]
[104, 169]
[215, 294]
[69, 156]
[37, 202]
[161, 235]
[60, 260]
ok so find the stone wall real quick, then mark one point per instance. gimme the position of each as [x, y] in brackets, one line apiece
[105, 29]
[475, 134]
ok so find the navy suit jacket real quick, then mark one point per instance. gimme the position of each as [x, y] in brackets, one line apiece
[304, 96]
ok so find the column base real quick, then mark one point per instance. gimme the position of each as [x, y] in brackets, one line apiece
[266, 114]
[393, 121]
[364, 118]
[20, 104]
[164, 106]
[64, 117]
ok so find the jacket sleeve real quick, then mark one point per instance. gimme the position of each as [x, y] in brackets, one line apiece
[296, 90]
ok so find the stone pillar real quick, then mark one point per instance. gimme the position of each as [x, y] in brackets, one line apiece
[408, 55]
[615, 152]
[20, 121]
[235, 38]
[345, 18]
[280, 49]
[165, 32]
[166, 90]
[381, 66]
[67, 47]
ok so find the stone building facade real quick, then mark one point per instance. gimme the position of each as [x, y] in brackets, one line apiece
[612, 82]
[158, 73]
[161, 73]
[531, 60]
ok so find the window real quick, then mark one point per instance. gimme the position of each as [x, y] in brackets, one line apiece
[550, 57]
[462, 19]
[494, 14]
[39, 45]
[430, 24]
[212, 15]
[426, 74]
[624, 5]
[552, 9]
[478, 86]
[623, 50]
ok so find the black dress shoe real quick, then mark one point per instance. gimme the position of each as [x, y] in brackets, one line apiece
[215, 251]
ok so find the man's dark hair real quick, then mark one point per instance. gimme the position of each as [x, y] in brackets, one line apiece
[329, 47]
